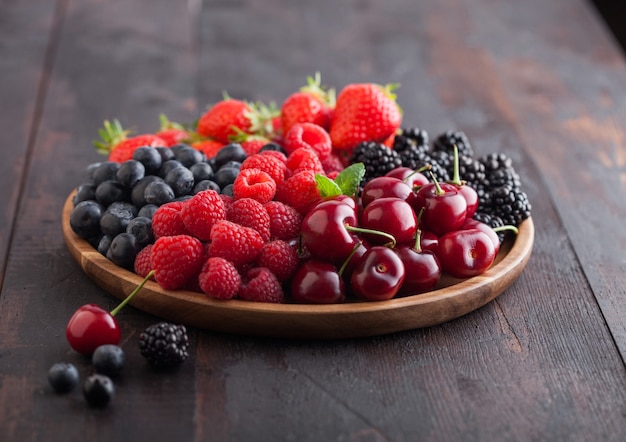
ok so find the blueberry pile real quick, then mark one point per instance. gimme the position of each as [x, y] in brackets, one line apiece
[98, 387]
[114, 203]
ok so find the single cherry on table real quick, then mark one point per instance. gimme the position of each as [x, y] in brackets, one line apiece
[91, 326]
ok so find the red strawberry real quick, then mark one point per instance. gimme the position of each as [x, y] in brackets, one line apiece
[308, 135]
[364, 112]
[223, 119]
[170, 132]
[118, 146]
[219, 278]
[285, 221]
[311, 104]
[280, 258]
[255, 184]
[201, 212]
[261, 285]
[176, 259]
[237, 244]
[208, 147]
[250, 213]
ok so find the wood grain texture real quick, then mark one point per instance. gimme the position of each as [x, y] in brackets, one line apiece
[28, 41]
[538, 80]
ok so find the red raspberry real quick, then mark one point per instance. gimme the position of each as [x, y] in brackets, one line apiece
[219, 278]
[228, 200]
[304, 159]
[167, 221]
[255, 184]
[308, 135]
[333, 175]
[275, 154]
[201, 211]
[250, 213]
[268, 164]
[285, 221]
[176, 259]
[142, 265]
[280, 258]
[238, 244]
[332, 163]
[261, 285]
[299, 191]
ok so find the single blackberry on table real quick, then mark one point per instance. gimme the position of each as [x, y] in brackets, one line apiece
[164, 344]
[447, 140]
[377, 158]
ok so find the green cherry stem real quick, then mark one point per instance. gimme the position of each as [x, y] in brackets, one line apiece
[456, 177]
[505, 229]
[345, 263]
[390, 237]
[439, 190]
[117, 309]
[419, 170]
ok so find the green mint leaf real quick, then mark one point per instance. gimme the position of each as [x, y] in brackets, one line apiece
[350, 178]
[326, 186]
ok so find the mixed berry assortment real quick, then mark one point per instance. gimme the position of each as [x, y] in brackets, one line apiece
[324, 199]
[239, 204]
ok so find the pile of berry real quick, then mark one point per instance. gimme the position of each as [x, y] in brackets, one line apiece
[321, 199]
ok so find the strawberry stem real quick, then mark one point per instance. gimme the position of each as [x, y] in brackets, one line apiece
[117, 309]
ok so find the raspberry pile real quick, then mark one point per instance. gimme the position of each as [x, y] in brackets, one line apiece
[230, 206]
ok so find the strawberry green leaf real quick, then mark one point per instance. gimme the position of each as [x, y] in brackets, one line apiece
[350, 178]
[326, 186]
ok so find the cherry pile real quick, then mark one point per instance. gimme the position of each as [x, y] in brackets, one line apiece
[404, 233]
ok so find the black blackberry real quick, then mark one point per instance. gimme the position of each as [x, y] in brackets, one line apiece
[503, 177]
[408, 136]
[511, 205]
[377, 158]
[495, 161]
[415, 157]
[447, 140]
[164, 344]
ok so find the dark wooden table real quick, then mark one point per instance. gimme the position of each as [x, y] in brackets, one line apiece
[541, 80]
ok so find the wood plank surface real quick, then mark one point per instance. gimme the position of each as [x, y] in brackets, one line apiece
[544, 361]
[27, 33]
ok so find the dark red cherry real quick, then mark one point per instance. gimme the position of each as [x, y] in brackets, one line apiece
[422, 267]
[466, 253]
[429, 241]
[317, 282]
[385, 186]
[471, 223]
[390, 215]
[445, 209]
[91, 326]
[379, 274]
[470, 195]
[413, 178]
[324, 231]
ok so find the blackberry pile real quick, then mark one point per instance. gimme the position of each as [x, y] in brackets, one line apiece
[501, 198]
[377, 158]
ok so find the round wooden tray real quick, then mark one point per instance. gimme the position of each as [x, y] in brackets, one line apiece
[451, 299]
